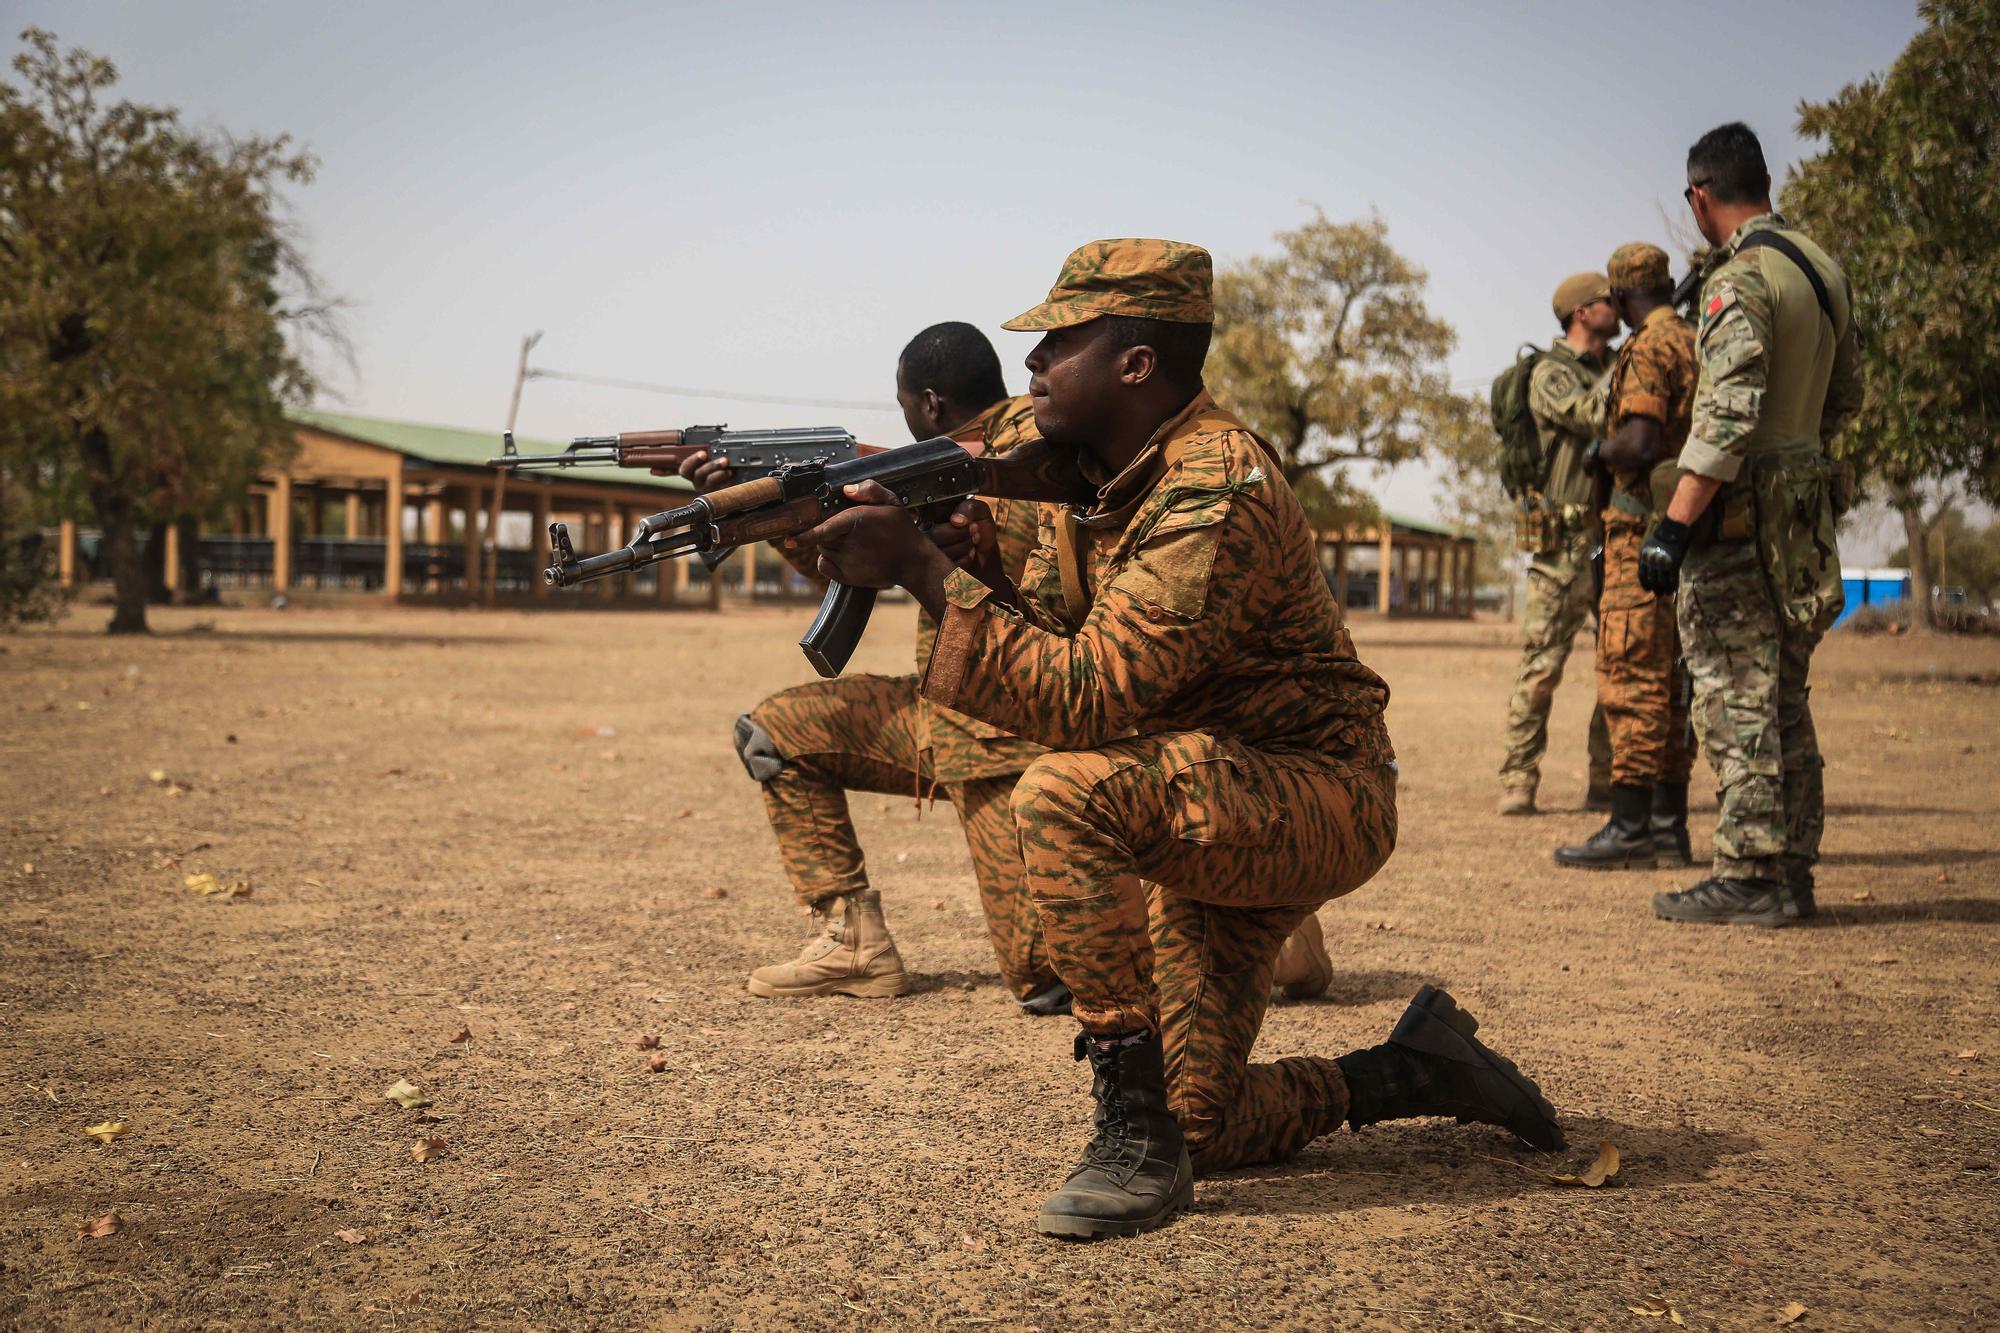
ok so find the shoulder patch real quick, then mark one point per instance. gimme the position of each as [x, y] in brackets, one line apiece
[1720, 299]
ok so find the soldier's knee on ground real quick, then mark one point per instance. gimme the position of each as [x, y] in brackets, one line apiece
[756, 749]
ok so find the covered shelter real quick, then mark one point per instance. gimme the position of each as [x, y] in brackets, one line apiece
[412, 513]
[1401, 566]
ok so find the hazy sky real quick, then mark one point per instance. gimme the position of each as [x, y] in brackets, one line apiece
[772, 198]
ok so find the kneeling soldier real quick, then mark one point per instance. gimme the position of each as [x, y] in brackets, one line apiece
[1219, 766]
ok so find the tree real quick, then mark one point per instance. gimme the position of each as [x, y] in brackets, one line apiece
[148, 288]
[1907, 195]
[1963, 556]
[1328, 350]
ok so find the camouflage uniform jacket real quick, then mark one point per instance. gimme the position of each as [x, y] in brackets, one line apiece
[964, 749]
[1774, 377]
[1207, 614]
[1654, 377]
[1566, 397]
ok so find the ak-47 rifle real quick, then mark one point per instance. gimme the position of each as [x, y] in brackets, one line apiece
[750, 453]
[798, 496]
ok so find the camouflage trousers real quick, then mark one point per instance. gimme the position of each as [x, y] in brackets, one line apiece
[1753, 714]
[1558, 602]
[1169, 871]
[1640, 681]
[864, 733]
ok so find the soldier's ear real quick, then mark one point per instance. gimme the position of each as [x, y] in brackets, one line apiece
[933, 410]
[1137, 364]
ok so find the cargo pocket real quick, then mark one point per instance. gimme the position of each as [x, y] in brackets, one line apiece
[1218, 794]
[1796, 543]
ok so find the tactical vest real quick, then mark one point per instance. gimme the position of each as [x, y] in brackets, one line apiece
[1567, 484]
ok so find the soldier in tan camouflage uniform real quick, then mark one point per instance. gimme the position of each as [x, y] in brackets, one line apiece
[812, 745]
[1640, 683]
[1218, 766]
[1748, 540]
[1565, 395]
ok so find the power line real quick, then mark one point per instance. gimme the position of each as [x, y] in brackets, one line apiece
[681, 391]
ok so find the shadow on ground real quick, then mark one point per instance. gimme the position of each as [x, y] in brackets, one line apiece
[1450, 1165]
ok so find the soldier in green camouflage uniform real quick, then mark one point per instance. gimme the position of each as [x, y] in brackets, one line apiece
[1565, 395]
[1640, 683]
[1749, 537]
[1218, 762]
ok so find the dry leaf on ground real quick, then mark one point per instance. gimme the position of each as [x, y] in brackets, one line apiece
[1968, 1055]
[109, 1130]
[648, 1042]
[349, 1235]
[406, 1095]
[657, 1062]
[425, 1149]
[713, 892]
[1599, 1171]
[202, 883]
[99, 1227]
[1792, 1313]
[462, 1035]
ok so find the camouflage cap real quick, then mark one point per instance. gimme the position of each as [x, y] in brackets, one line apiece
[1579, 289]
[1147, 278]
[1638, 267]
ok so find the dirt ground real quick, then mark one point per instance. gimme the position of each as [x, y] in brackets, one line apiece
[531, 828]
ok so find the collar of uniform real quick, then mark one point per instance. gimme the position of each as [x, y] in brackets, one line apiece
[983, 423]
[1120, 496]
[1771, 221]
[1659, 314]
[1585, 359]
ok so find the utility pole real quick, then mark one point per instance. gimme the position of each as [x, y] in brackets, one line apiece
[491, 546]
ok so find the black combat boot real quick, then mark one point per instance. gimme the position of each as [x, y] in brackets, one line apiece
[1047, 1002]
[1135, 1174]
[1433, 1065]
[1798, 894]
[1670, 824]
[1624, 843]
[1731, 902]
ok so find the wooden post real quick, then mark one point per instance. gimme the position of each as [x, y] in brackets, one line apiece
[539, 542]
[750, 572]
[280, 514]
[433, 533]
[1340, 571]
[614, 587]
[392, 530]
[715, 588]
[1388, 546]
[470, 540]
[673, 581]
[172, 557]
[353, 515]
[66, 552]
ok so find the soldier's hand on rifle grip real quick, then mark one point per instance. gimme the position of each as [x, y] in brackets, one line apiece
[967, 535]
[875, 545]
[1661, 556]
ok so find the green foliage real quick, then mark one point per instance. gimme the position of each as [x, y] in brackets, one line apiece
[1328, 350]
[147, 287]
[1907, 196]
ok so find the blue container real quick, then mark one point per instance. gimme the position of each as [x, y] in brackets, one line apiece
[1872, 587]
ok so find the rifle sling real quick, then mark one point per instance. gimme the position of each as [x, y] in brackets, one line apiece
[1071, 538]
[1784, 246]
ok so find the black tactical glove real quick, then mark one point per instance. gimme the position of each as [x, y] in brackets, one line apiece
[1660, 558]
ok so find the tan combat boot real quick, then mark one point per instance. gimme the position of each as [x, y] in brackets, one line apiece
[1518, 797]
[1304, 970]
[851, 955]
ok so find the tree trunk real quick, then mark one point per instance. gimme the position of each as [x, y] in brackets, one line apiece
[1910, 506]
[190, 571]
[127, 564]
[157, 591]
[118, 521]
